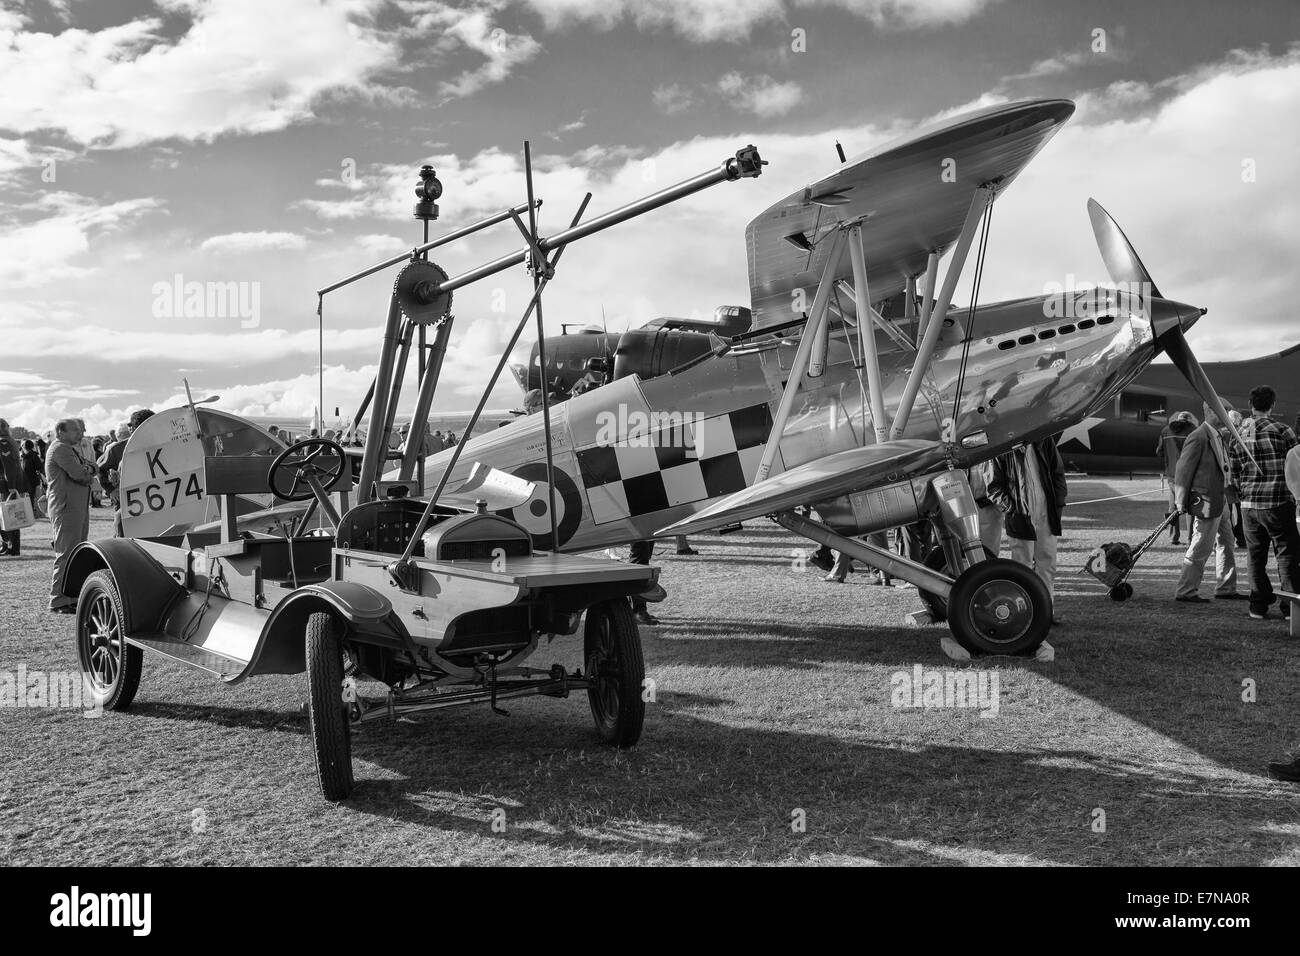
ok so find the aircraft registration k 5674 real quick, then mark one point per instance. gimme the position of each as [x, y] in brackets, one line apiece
[869, 420]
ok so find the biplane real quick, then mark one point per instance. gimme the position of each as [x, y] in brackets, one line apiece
[839, 400]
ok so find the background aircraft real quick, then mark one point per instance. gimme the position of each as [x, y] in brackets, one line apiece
[1122, 438]
[651, 350]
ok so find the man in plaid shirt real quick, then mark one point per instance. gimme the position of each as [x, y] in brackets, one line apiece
[1266, 505]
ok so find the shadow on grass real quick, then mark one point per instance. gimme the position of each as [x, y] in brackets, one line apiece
[697, 790]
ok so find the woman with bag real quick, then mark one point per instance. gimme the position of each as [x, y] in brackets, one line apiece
[12, 482]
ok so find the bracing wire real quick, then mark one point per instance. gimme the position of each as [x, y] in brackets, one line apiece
[970, 312]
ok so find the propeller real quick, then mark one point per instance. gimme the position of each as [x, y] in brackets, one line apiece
[1168, 318]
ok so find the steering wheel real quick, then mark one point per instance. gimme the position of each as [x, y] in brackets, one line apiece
[301, 458]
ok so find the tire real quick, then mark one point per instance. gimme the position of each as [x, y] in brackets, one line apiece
[936, 560]
[612, 653]
[327, 716]
[110, 667]
[999, 607]
[1121, 592]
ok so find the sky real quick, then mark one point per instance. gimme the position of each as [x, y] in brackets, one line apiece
[265, 149]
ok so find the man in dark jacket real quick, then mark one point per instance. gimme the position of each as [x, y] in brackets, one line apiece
[11, 479]
[1201, 492]
[108, 465]
[1028, 486]
[33, 468]
[1169, 448]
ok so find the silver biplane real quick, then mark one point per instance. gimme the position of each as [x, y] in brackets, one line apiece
[839, 399]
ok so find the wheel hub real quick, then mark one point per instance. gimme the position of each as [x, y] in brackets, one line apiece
[103, 643]
[1002, 611]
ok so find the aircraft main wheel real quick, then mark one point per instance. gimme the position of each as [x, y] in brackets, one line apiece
[1121, 592]
[937, 560]
[110, 667]
[327, 715]
[612, 652]
[999, 607]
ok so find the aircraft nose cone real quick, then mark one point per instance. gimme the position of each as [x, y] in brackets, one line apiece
[1167, 314]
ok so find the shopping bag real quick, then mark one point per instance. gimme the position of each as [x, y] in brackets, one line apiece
[16, 512]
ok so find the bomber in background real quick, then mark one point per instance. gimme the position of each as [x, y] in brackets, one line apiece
[1122, 438]
[592, 356]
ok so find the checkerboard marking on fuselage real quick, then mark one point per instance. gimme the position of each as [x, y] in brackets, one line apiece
[629, 480]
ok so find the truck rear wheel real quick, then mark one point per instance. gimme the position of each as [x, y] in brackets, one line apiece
[327, 715]
[612, 652]
[110, 667]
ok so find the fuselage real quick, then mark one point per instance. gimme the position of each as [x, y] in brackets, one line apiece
[632, 457]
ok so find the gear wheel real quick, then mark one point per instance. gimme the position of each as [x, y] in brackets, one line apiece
[416, 273]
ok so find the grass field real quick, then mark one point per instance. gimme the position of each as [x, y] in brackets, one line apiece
[773, 696]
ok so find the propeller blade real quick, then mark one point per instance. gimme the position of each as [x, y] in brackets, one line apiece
[1117, 252]
[1175, 345]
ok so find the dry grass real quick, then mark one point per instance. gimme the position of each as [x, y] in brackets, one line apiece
[773, 693]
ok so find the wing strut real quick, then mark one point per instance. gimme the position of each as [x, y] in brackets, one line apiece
[817, 317]
[931, 276]
[925, 348]
[867, 342]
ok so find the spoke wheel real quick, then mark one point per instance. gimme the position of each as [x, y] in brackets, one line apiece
[612, 652]
[110, 667]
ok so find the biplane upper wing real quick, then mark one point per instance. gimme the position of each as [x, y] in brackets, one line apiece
[915, 191]
[834, 475]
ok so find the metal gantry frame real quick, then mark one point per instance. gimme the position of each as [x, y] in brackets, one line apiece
[428, 287]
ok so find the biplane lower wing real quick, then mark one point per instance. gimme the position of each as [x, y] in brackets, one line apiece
[842, 473]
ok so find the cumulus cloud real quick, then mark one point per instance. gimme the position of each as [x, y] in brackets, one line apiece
[760, 95]
[55, 246]
[726, 20]
[239, 242]
[672, 98]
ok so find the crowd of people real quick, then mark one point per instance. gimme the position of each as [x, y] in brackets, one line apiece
[63, 473]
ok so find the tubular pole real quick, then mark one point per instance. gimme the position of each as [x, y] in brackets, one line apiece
[428, 384]
[727, 171]
[421, 249]
[376, 440]
[541, 347]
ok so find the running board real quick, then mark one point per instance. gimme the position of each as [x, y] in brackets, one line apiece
[219, 665]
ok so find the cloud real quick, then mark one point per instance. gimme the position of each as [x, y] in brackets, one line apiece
[673, 98]
[502, 52]
[240, 242]
[726, 20]
[236, 69]
[57, 246]
[377, 245]
[760, 95]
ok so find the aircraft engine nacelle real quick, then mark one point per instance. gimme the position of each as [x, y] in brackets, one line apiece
[878, 509]
[650, 353]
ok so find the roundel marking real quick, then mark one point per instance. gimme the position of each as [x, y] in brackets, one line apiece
[533, 513]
